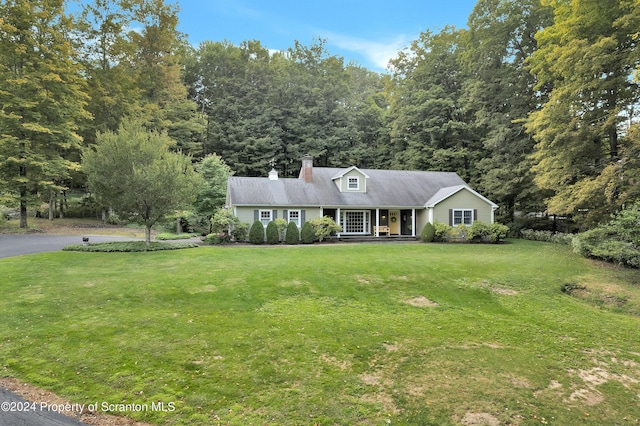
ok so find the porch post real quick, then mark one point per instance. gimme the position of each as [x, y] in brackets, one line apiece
[413, 222]
[338, 219]
[377, 233]
[321, 212]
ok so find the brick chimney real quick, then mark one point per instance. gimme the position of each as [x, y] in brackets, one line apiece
[306, 172]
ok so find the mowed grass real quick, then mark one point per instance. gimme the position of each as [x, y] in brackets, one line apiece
[330, 334]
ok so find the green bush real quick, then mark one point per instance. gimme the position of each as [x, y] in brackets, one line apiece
[273, 236]
[223, 220]
[256, 233]
[498, 232]
[599, 243]
[128, 246]
[626, 224]
[293, 234]
[547, 236]
[219, 238]
[325, 226]
[4, 214]
[428, 233]
[281, 224]
[478, 232]
[164, 236]
[240, 231]
[441, 230]
[307, 233]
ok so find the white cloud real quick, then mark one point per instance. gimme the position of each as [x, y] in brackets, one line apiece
[378, 53]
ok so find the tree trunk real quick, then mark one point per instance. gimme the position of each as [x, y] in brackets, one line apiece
[51, 214]
[23, 208]
[104, 215]
[178, 226]
[23, 196]
[147, 235]
[62, 202]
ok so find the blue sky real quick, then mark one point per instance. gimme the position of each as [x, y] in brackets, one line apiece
[368, 32]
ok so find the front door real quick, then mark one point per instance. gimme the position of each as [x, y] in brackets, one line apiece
[394, 222]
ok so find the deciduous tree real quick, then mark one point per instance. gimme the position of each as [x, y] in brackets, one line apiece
[134, 171]
[42, 99]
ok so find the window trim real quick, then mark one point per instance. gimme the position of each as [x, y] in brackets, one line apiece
[356, 181]
[298, 220]
[462, 217]
[260, 212]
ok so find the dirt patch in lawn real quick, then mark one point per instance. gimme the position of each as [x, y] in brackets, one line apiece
[39, 396]
[504, 291]
[421, 302]
[479, 419]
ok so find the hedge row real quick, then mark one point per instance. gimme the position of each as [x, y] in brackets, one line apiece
[546, 236]
[477, 232]
[128, 246]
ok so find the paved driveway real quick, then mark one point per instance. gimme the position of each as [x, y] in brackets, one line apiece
[14, 410]
[16, 245]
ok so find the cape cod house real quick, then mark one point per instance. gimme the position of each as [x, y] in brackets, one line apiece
[362, 201]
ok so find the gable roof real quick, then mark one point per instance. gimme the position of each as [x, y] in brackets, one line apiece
[385, 188]
[444, 193]
[345, 171]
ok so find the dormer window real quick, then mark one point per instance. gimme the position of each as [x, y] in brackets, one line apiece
[353, 183]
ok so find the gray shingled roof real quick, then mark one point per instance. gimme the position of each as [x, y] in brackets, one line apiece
[385, 188]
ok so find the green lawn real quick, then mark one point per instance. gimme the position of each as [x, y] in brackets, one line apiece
[330, 334]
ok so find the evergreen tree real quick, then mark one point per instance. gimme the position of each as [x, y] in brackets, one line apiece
[431, 129]
[293, 234]
[499, 91]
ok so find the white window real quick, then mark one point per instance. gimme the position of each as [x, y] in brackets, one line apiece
[355, 221]
[265, 217]
[353, 183]
[294, 216]
[462, 216]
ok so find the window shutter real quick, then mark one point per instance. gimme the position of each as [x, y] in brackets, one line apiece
[274, 215]
[475, 215]
[284, 215]
[256, 215]
[450, 217]
[302, 217]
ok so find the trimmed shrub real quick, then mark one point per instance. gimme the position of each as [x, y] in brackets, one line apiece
[165, 236]
[128, 246]
[428, 233]
[497, 232]
[273, 236]
[293, 234]
[240, 231]
[441, 230]
[600, 244]
[547, 236]
[256, 233]
[478, 231]
[325, 226]
[307, 233]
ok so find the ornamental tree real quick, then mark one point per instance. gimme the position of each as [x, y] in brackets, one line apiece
[133, 171]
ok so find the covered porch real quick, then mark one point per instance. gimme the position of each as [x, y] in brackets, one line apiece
[379, 222]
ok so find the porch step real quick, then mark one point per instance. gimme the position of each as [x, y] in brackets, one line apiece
[381, 239]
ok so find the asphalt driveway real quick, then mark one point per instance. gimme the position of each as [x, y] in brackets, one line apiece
[16, 245]
[15, 410]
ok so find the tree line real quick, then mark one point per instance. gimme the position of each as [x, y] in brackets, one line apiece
[535, 104]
